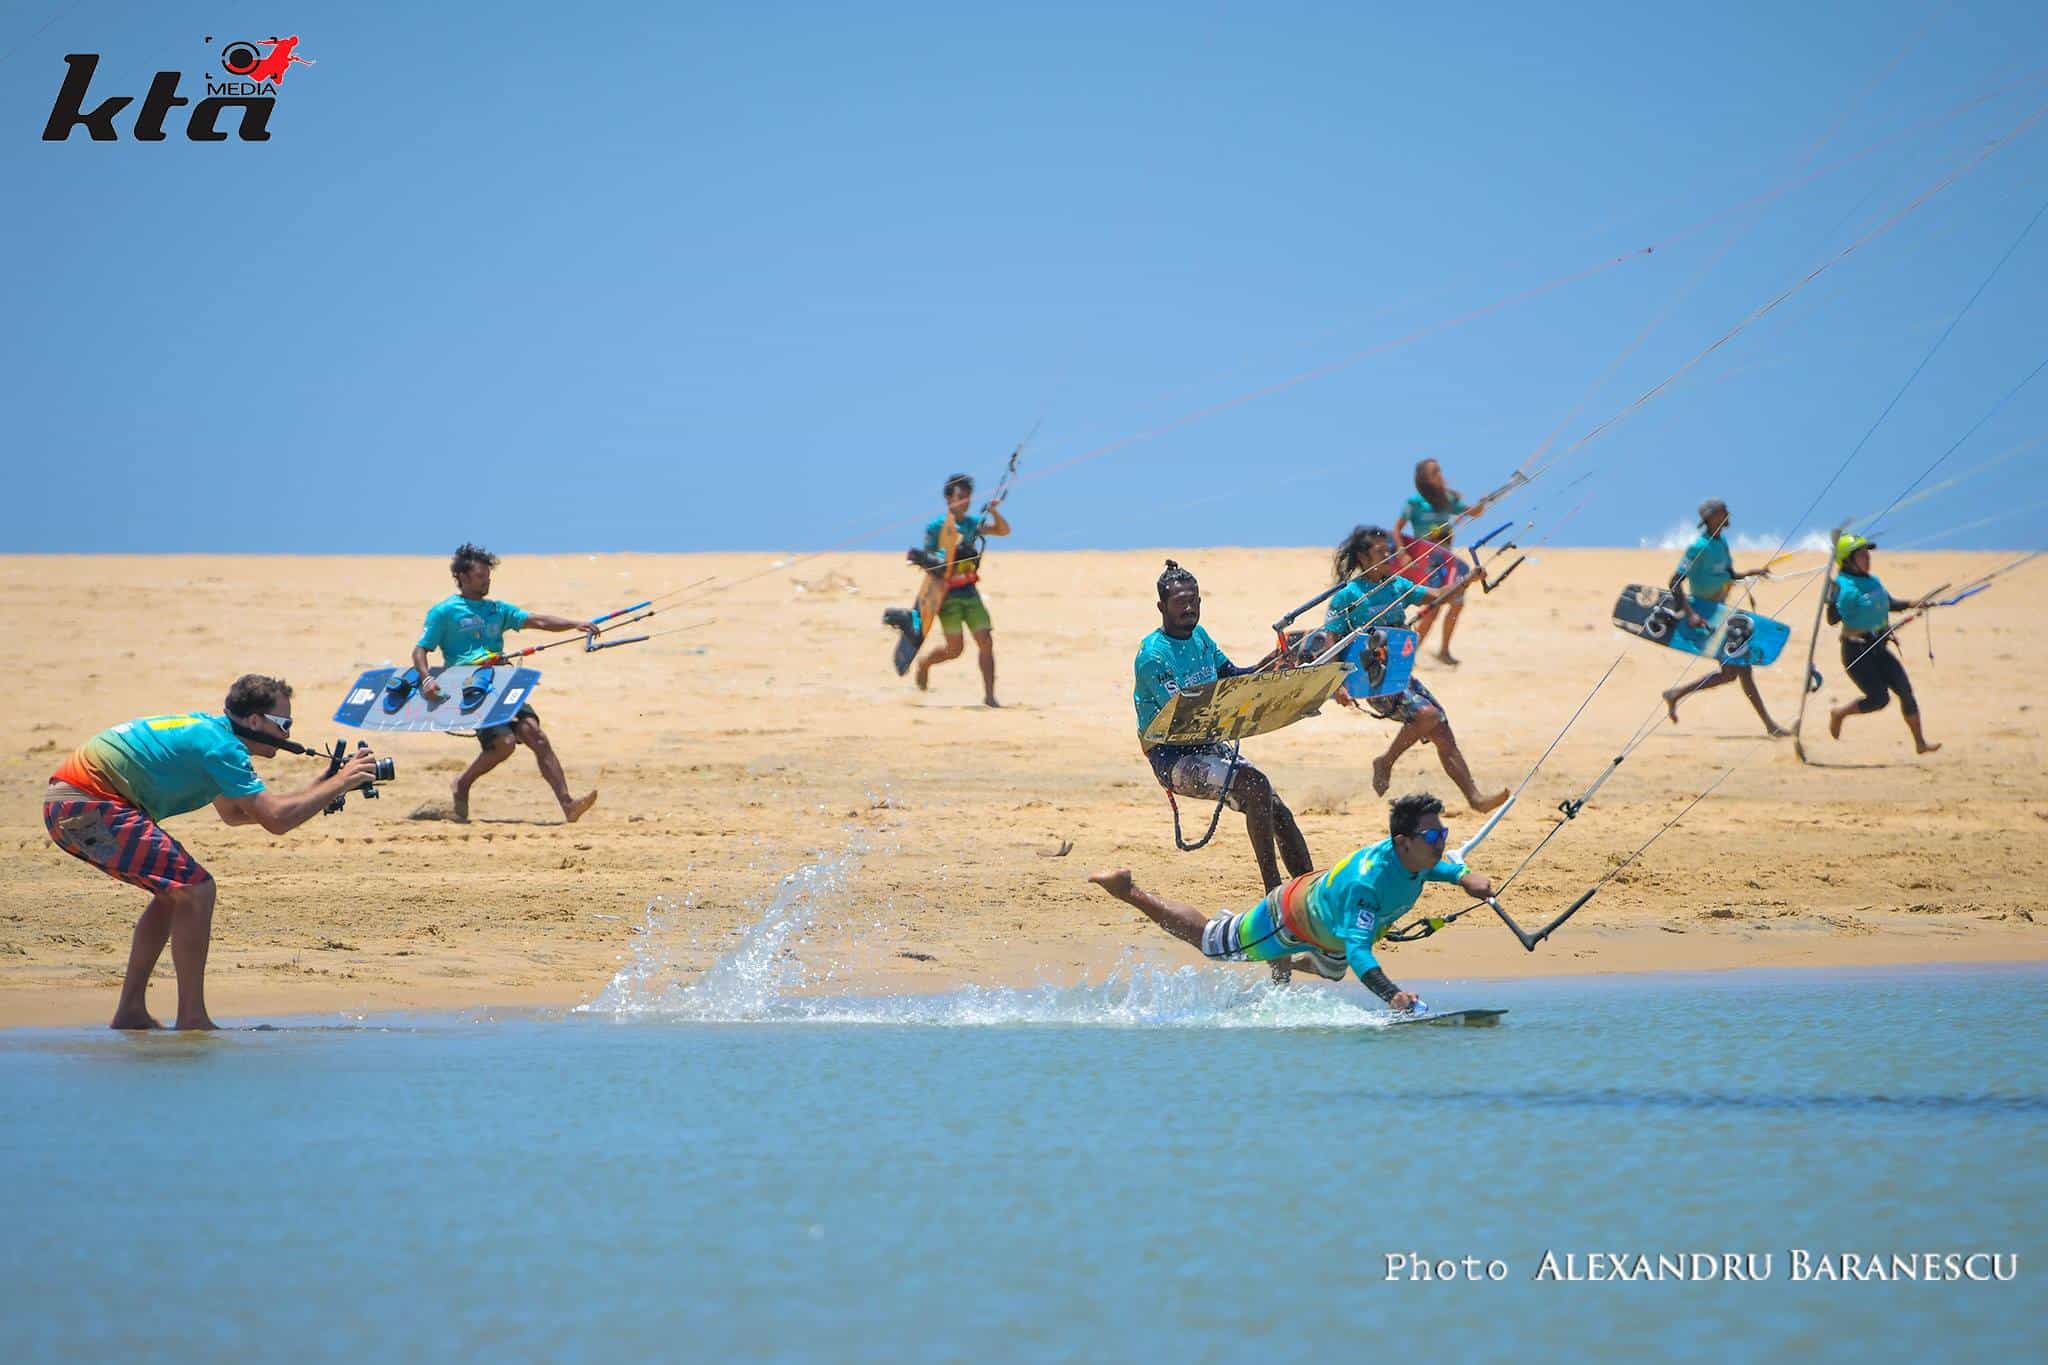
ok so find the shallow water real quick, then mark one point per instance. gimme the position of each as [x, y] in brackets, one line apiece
[1172, 1162]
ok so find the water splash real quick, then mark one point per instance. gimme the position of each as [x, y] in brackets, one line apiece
[761, 978]
[1681, 534]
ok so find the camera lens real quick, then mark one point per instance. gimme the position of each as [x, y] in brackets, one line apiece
[387, 769]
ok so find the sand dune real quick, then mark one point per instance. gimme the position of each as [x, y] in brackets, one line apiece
[780, 736]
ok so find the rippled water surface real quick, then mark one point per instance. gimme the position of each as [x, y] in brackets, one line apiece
[1174, 1164]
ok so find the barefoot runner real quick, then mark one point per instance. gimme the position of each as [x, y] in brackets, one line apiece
[1426, 554]
[469, 628]
[1331, 918]
[106, 803]
[1863, 608]
[963, 607]
[1377, 596]
[1179, 656]
[1706, 574]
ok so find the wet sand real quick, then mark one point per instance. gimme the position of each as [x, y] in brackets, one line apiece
[779, 736]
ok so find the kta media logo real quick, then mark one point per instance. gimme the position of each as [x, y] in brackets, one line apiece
[252, 89]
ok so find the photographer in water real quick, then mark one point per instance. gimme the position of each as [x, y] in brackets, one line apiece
[104, 804]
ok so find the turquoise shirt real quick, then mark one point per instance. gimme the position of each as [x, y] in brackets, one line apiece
[1361, 603]
[1863, 603]
[1165, 666]
[468, 629]
[1356, 901]
[967, 559]
[165, 765]
[1708, 569]
[1425, 518]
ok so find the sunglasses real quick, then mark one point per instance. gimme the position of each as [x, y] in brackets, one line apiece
[283, 723]
[1433, 837]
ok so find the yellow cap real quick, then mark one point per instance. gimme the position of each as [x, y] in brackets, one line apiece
[1849, 545]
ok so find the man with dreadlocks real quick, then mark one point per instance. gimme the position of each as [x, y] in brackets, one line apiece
[1178, 656]
[1375, 595]
[1331, 918]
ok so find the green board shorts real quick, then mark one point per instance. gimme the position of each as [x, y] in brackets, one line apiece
[963, 609]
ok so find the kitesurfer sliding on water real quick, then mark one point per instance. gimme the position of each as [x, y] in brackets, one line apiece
[469, 628]
[1863, 609]
[963, 606]
[1331, 918]
[1706, 574]
[1179, 656]
[1426, 556]
[1377, 596]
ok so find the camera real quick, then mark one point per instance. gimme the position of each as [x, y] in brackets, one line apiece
[386, 770]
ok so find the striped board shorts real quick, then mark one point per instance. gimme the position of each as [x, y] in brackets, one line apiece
[1274, 928]
[119, 840]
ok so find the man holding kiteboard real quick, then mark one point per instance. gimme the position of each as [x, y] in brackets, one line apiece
[1331, 918]
[1706, 574]
[468, 628]
[1178, 657]
[952, 549]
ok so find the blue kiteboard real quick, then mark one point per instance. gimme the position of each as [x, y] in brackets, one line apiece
[473, 696]
[1381, 659]
[1731, 636]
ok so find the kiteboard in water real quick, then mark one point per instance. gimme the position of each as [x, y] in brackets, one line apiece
[1248, 704]
[1455, 1018]
[473, 696]
[1730, 636]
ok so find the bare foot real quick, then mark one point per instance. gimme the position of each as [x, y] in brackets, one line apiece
[458, 806]
[1117, 883]
[991, 702]
[201, 1024]
[1382, 775]
[1928, 748]
[1671, 705]
[137, 1018]
[1776, 731]
[923, 678]
[1446, 660]
[1486, 804]
[576, 809]
[1834, 725]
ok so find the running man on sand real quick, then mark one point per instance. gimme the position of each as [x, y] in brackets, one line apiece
[1331, 918]
[1179, 656]
[106, 803]
[1706, 574]
[469, 628]
[1863, 609]
[1377, 596]
[1426, 556]
[963, 606]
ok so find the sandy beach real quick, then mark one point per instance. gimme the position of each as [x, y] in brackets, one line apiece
[779, 737]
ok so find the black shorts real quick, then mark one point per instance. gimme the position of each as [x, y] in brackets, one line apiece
[488, 737]
[1876, 670]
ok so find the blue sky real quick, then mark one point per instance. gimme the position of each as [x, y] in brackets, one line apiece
[670, 277]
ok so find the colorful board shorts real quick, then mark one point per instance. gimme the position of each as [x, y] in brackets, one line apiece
[1199, 770]
[1430, 564]
[963, 609]
[119, 840]
[488, 737]
[1271, 929]
[1405, 705]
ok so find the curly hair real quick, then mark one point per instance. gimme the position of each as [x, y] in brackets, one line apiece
[253, 693]
[1405, 816]
[468, 555]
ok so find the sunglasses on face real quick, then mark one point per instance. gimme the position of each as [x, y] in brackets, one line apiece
[1433, 837]
[283, 723]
